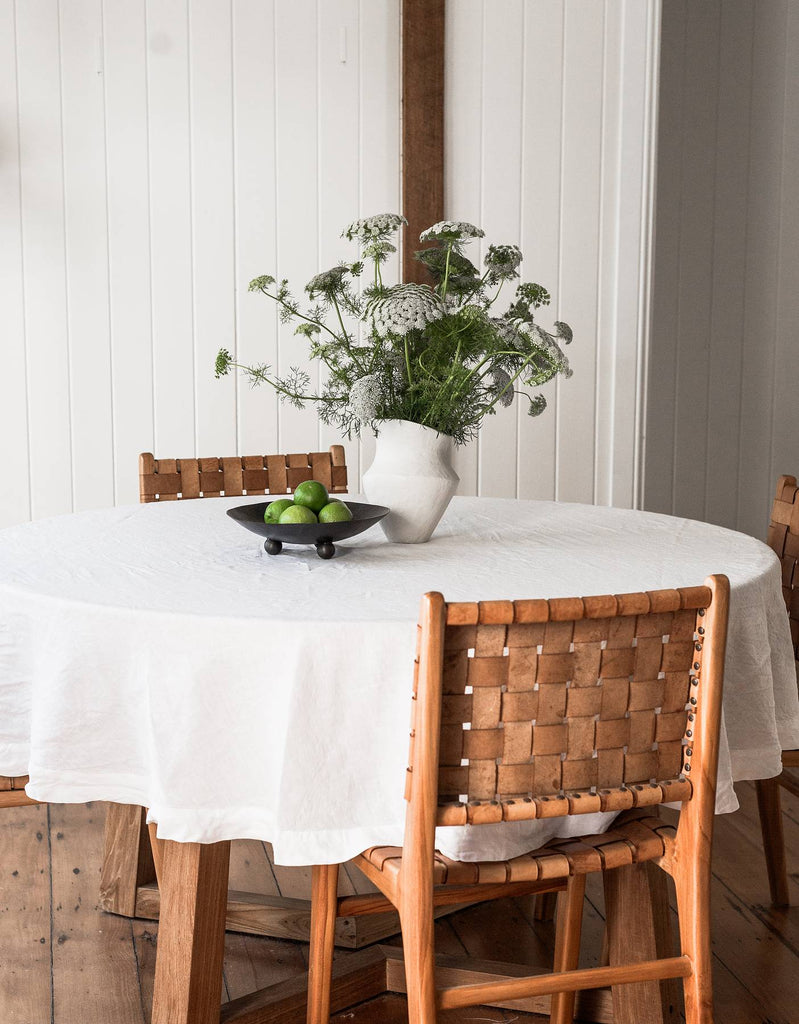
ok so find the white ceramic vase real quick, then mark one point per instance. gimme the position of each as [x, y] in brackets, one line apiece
[412, 475]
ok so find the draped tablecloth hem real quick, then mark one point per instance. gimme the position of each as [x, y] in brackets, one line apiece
[755, 763]
[289, 848]
[63, 787]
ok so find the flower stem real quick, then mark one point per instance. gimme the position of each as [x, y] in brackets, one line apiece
[446, 272]
[296, 312]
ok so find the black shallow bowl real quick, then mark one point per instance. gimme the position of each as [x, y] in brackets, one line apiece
[323, 535]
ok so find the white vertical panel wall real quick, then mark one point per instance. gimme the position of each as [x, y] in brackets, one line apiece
[549, 136]
[722, 402]
[158, 154]
[155, 155]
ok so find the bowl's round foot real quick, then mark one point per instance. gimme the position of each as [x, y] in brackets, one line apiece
[325, 549]
[272, 546]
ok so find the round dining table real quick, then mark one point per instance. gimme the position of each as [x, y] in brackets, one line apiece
[156, 655]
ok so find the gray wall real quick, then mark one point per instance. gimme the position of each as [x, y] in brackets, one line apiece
[723, 389]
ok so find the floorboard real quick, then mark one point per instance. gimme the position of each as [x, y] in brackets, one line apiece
[64, 962]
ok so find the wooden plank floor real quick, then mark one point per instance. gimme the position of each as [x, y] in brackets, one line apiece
[64, 962]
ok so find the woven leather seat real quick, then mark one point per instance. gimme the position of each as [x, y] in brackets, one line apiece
[635, 837]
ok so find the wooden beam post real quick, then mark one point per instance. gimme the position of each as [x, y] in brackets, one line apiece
[422, 125]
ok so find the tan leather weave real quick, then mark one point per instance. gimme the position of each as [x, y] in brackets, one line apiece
[171, 479]
[568, 706]
[10, 783]
[783, 538]
[633, 838]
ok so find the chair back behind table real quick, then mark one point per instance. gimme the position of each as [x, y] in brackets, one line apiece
[174, 479]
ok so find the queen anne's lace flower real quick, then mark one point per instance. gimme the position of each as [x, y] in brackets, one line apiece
[508, 332]
[502, 389]
[379, 226]
[547, 343]
[365, 397]
[326, 283]
[404, 308]
[502, 262]
[451, 231]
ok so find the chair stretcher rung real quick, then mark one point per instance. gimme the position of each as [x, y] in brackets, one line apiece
[564, 981]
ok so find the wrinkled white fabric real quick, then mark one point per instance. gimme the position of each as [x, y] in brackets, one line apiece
[155, 655]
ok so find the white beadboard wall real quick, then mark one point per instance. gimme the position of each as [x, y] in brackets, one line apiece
[723, 396]
[549, 136]
[155, 156]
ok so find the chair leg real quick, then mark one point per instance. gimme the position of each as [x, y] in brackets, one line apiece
[567, 944]
[191, 933]
[768, 803]
[545, 904]
[324, 885]
[418, 941]
[692, 885]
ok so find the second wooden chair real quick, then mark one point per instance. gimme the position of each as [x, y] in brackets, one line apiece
[542, 709]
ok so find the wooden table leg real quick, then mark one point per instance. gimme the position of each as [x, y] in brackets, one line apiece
[191, 935]
[639, 928]
[127, 859]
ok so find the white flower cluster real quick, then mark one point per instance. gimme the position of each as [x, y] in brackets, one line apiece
[365, 397]
[547, 343]
[379, 226]
[502, 262]
[404, 308]
[451, 231]
[502, 379]
[507, 332]
[326, 283]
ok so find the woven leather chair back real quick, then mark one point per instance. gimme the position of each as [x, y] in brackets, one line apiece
[171, 479]
[783, 538]
[567, 706]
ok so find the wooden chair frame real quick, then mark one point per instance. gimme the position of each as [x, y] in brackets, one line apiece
[685, 855]
[783, 538]
[12, 791]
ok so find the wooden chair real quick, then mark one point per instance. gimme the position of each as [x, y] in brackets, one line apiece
[128, 862]
[783, 538]
[171, 479]
[541, 709]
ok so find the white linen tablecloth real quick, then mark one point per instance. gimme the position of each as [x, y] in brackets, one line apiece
[155, 655]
